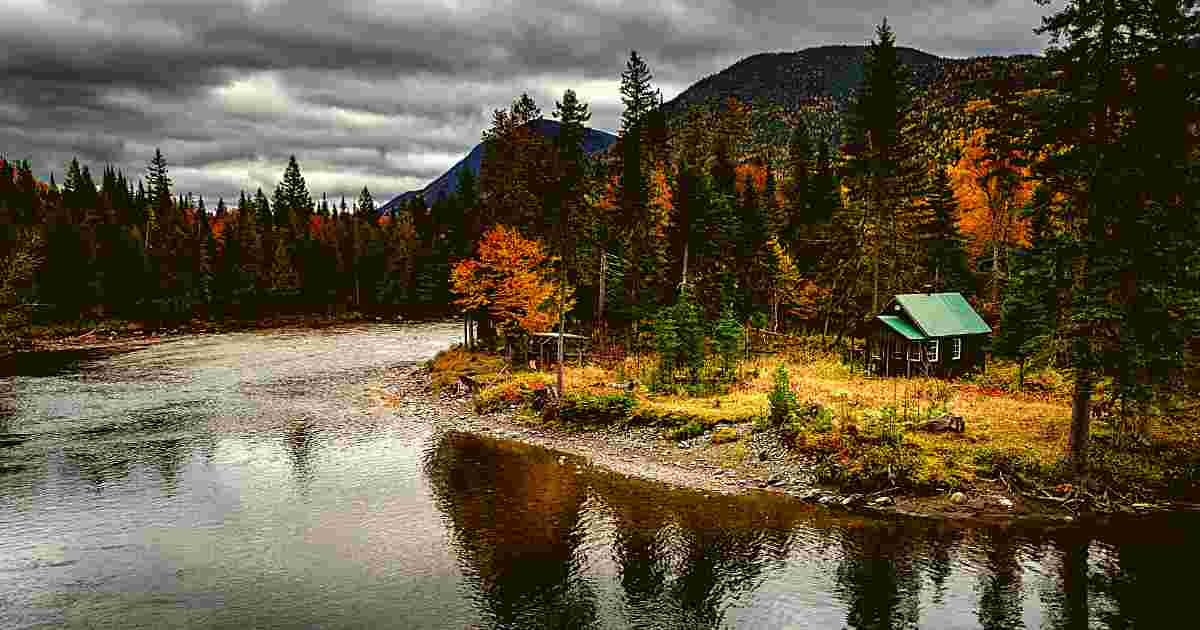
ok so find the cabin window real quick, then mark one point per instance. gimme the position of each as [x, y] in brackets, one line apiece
[914, 352]
[931, 350]
[956, 347]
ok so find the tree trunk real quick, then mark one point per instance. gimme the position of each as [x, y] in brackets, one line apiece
[562, 296]
[1080, 420]
[996, 273]
[1021, 374]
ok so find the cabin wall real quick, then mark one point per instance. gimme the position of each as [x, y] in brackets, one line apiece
[888, 352]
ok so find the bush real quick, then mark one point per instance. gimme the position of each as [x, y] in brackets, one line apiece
[688, 431]
[822, 422]
[592, 409]
[884, 425]
[869, 466]
[519, 391]
[724, 434]
[781, 400]
[727, 337]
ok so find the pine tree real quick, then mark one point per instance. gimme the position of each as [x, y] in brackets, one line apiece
[298, 203]
[525, 110]
[945, 258]
[882, 166]
[1123, 171]
[638, 97]
[824, 196]
[799, 171]
[285, 281]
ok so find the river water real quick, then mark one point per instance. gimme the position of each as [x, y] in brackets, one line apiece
[248, 481]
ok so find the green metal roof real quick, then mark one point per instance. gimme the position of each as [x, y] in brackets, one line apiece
[904, 328]
[943, 314]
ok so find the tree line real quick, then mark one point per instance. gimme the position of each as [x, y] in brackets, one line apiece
[84, 248]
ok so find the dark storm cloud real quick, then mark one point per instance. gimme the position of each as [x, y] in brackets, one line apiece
[387, 94]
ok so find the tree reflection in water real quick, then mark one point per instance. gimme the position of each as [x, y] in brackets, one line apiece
[876, 577]
[517, 526]
[999, 585]
[531, 533]
[297, 441]
[683, 562]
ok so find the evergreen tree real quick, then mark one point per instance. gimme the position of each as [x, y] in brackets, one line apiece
[824, 196]
[1124, 99]
[365, 207]
[285, 281]
[525, 110]
[156, 175]
[638, 97]
[799, 189]
[945, 258]
[881, 163]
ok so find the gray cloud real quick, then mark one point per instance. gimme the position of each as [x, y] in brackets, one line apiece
[387, 94]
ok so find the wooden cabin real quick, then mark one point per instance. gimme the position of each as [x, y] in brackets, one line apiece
[926, 334]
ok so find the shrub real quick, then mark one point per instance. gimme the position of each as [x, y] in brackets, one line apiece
[589, 408]
[688, 431]
[868, 466]
[727, 337]
[884, 425]
[667, 344]
[724, 434]
[781, 400]
[822, 422]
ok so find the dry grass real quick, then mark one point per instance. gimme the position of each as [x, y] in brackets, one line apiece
[1006, 433]
[448, 365]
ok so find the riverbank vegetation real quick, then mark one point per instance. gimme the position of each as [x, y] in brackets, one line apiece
[862, 433]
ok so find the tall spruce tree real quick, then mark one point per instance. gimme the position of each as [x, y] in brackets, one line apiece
[799, 173]
[945, 258]
[881, 164]
[1126, 194]
[637, 95]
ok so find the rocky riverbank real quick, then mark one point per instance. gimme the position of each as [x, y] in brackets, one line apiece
[757, 462]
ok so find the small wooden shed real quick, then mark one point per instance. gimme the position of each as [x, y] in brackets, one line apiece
[926, 334]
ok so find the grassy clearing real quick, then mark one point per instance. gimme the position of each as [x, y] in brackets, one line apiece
[863, 430]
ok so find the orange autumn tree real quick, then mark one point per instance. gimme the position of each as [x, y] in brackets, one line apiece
[992, 184]
[512, 280]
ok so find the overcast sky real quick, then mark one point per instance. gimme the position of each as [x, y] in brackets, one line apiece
[388, 93]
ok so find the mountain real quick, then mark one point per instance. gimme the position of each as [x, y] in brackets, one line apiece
[793, 79]
[594, 141]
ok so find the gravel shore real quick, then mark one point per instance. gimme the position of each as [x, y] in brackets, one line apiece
[758, 462]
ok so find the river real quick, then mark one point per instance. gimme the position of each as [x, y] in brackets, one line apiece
[248, 480]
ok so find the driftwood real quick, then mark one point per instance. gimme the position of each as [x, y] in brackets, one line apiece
[954, 424]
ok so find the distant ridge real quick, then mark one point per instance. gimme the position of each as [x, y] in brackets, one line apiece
[594, 141]
[791, 79]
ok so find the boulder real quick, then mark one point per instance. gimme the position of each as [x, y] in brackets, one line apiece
[958, 498]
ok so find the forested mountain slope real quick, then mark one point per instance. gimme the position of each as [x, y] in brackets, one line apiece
[440, 188]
